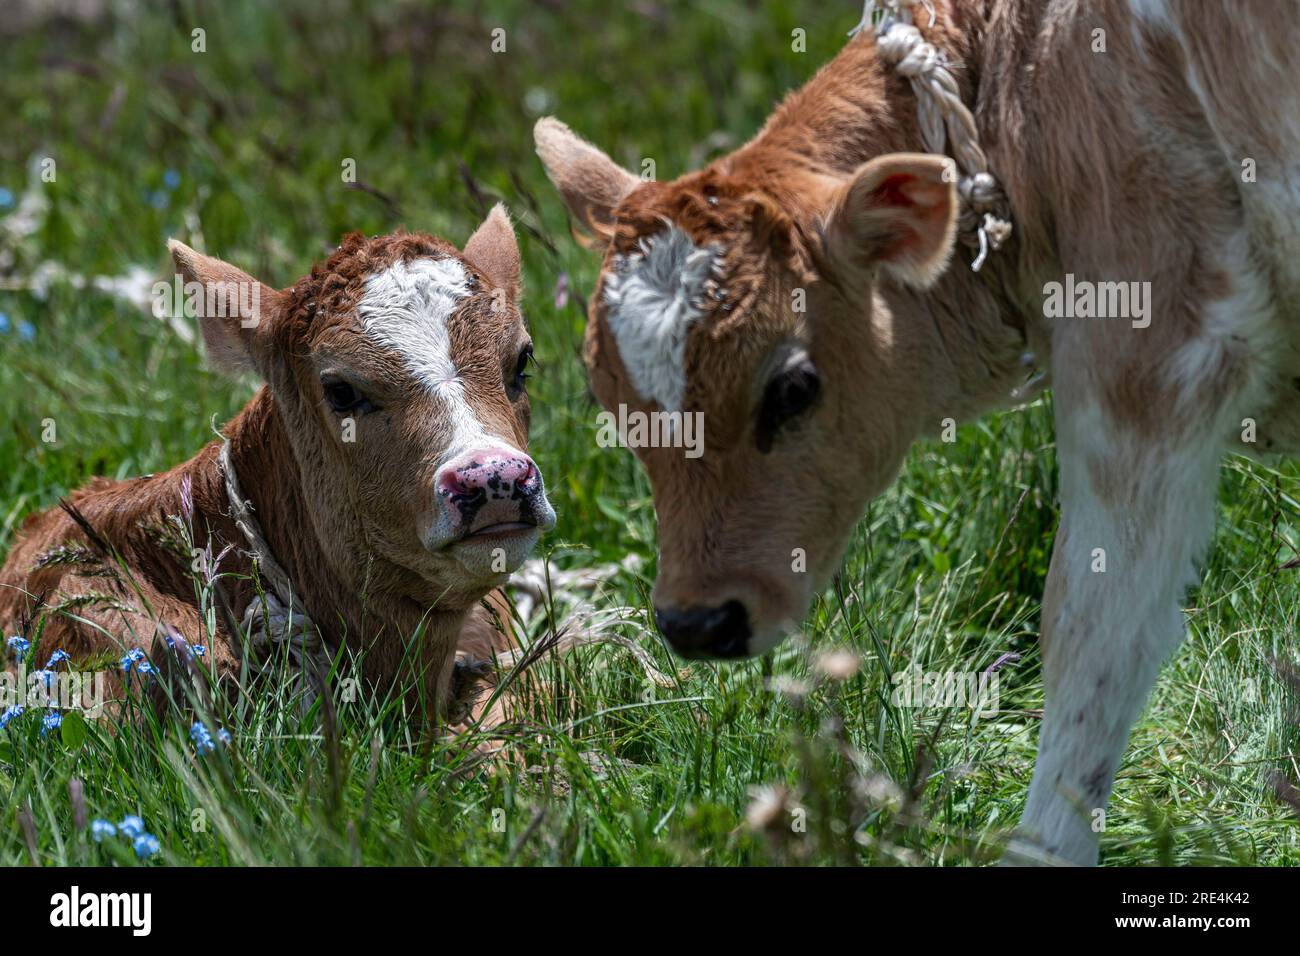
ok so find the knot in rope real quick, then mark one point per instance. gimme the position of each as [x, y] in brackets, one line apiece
[984, 222]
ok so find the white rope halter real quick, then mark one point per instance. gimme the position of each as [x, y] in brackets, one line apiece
[281, 624]
[984, 222]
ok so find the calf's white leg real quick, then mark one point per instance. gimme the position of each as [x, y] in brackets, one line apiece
[1134, 523]
[1143, 416]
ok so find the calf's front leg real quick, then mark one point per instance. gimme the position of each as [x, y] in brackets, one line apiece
[1137, 513]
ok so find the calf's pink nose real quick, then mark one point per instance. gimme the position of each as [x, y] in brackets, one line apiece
[497, 472]
[492, 487]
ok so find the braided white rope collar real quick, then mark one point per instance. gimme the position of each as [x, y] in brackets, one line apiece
[281, 624]
[984, 222]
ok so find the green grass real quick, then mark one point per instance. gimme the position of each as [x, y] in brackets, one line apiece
[946, 571]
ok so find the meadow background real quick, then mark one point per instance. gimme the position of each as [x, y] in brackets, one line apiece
[238, 151]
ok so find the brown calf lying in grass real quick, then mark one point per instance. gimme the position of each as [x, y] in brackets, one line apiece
[383, 465]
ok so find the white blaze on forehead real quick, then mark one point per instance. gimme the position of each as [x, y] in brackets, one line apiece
[406, 308]
[653, 297]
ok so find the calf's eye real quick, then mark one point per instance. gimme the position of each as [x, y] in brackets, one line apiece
[521, 369]
[344, 397]
[792, 392]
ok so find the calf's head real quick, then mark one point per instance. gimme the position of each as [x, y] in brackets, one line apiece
[743, 294]
[397, 368]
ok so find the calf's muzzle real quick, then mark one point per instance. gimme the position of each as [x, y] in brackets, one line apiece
[492, 491]
[703, 632]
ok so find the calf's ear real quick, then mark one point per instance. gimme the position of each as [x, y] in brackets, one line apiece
[898, 211]
[230, 306]
[494, 251]
[590, 183]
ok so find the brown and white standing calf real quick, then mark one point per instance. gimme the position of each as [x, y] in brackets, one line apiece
[1168, 154]
[384, 460]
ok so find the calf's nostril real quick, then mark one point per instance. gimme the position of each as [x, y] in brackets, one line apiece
[450, 484]
[530, 480]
